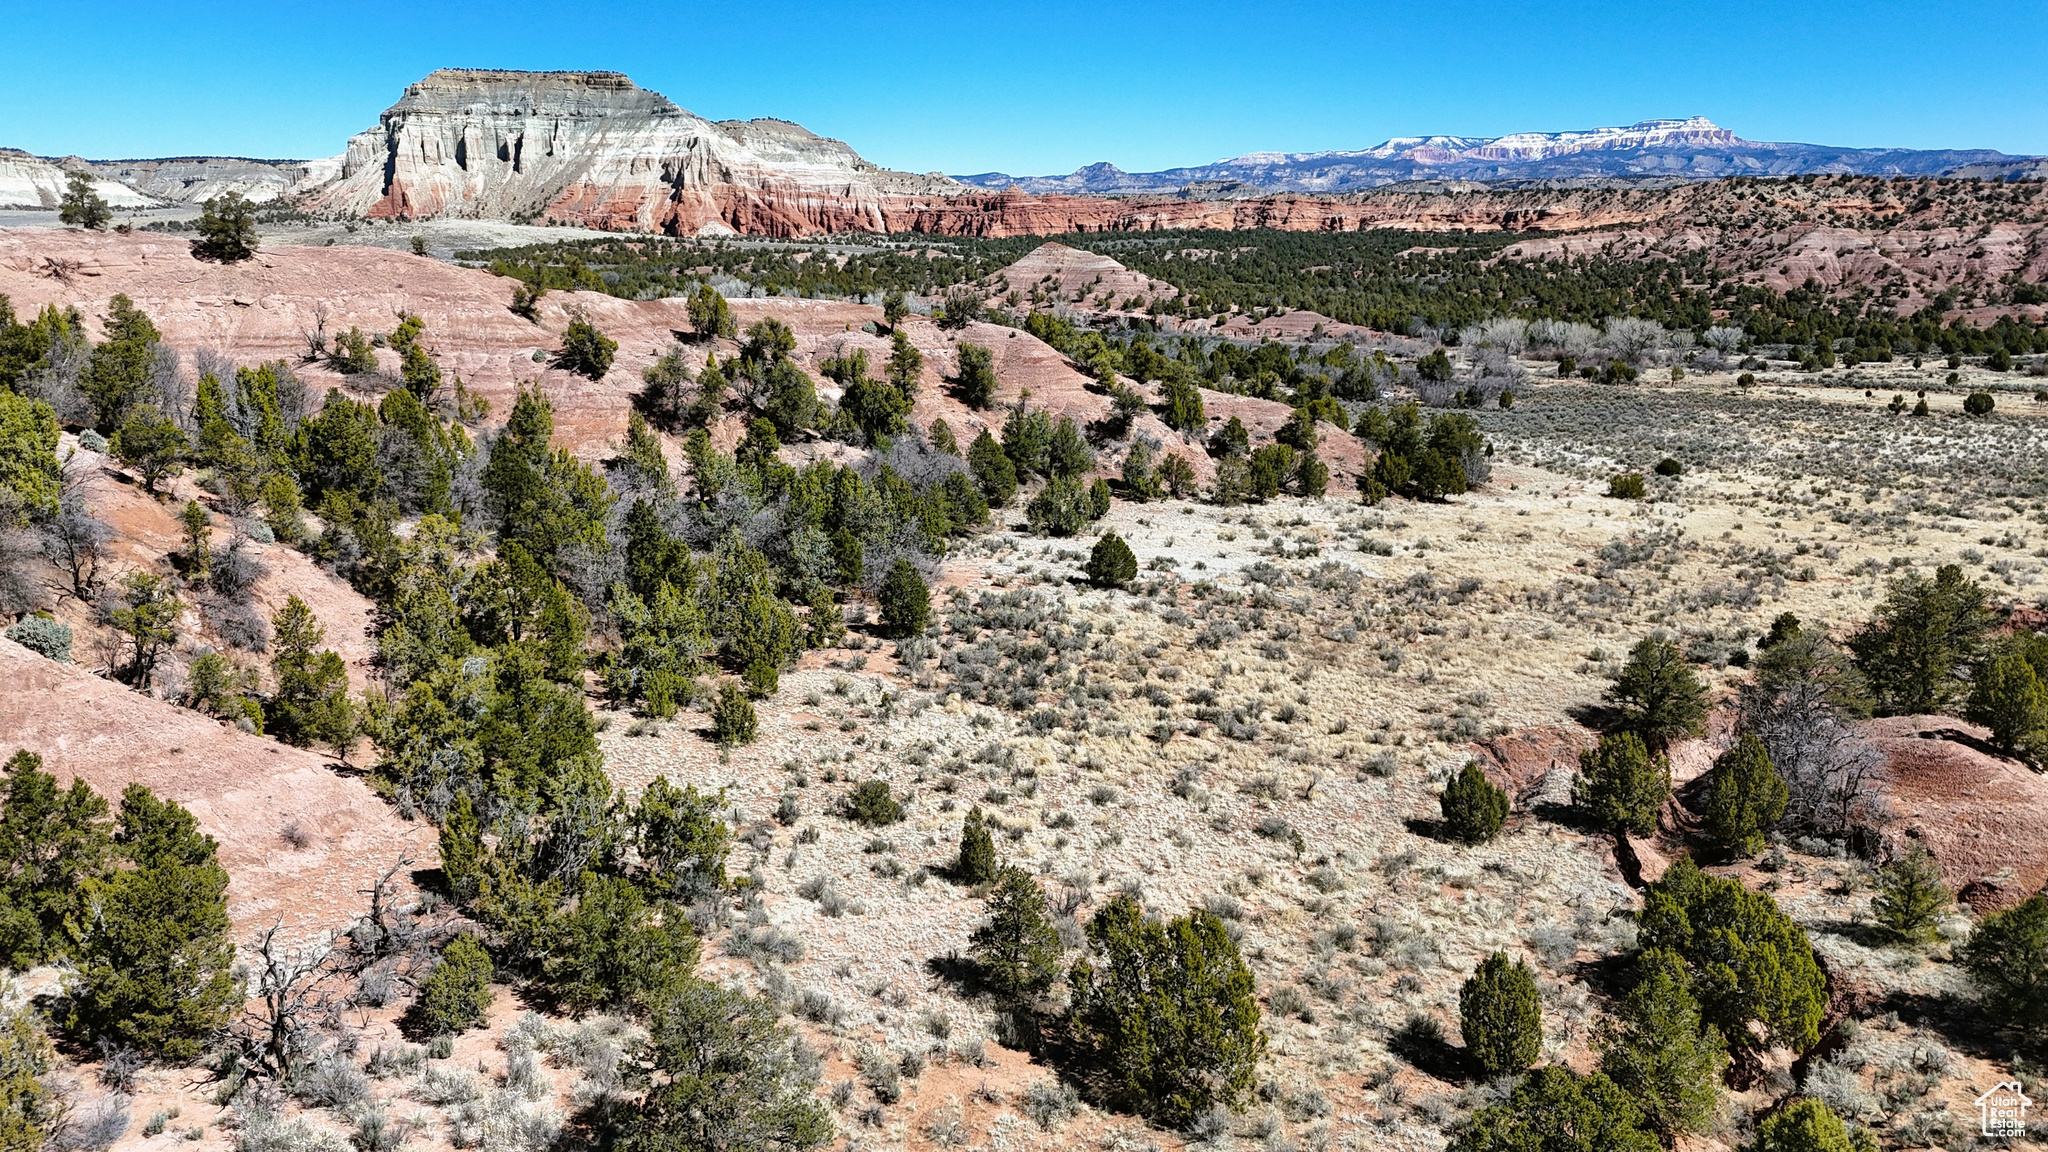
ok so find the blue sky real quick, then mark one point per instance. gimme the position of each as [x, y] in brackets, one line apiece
[1035, 88]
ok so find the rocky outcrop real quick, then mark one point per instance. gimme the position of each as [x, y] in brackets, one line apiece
[32, 182]
[593, 148]
[1984, 819]
[197, 179]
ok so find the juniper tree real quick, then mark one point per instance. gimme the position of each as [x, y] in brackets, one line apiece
[732, 718]
[1473, 808]
[906, 604]
[82, 206]
[1183, 406]
[227, 230]
[1911, 897]
[1748, 961]
[152, 948]
[1656, 694]
[28, 455]
[1169, 1010]
[51, 841]
[1924, 637]
[1657, 1048]
[976, 862]
[311, 705]
[151, 443]
[585, 350]
[1553, 1110]
[1620, 785]
[1745, 797]
[710, 315]
[1501, 1016]
[456, 995]
[975, 384]
[992, 469]
[2007, 957]
[1018, 949]
[1111, 563]
[732, 1077]
[1809, 1125]
[2007, 697]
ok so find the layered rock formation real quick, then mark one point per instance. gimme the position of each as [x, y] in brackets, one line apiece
[594, 149]
[197, 179]
[32, 182]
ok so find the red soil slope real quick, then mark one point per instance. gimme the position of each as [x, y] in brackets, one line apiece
[242, 789]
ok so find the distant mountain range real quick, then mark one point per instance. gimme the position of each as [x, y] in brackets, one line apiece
[1691, 149]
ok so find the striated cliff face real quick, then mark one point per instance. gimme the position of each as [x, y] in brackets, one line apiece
[592, 148]
[32, 182]
[197, 179]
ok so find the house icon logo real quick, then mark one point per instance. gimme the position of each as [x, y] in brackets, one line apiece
[2004, 1110]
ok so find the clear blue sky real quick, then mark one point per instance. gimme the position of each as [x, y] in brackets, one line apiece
[1033, 88]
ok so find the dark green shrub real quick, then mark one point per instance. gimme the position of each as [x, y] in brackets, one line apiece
[51, 841]
[906, 602]
[976, 863]
[1919, 639]
[1169, 1012]
[1669, 466]
[151, 443]
[1111, 563]
[1061, 508]
[732, 1076]
[1620, 785]
[976, 383]
[870, 803]
[1183, 406]
[1268, 471]
[2007, 957]
[1552, 1110]
[1745, 797]
[1473, 808]
[1809, 1126]
[457, 993]
[681, 841]
[1656, 695]
[1626, 486]
[993, 472]
[1910, 897]
[1231, 441]
[1658, 1049]
[614, 947]
[28, 454]
[156, 959]
[1979, 404]
[1018, 949]
[585, 350]
[1098, 499]
[732, 717]
[227, 230]
[1748, 961]
[710, 315]
[1501, 1016]
[82, 206]
[2008, 698]
[1311, 476]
